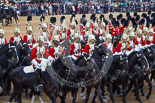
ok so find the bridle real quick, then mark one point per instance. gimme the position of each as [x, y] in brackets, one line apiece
[14, 47]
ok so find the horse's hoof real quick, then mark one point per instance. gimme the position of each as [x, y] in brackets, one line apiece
[147, 97]
[144, 95]
[120, 95]
[105, 100]
[27, 96]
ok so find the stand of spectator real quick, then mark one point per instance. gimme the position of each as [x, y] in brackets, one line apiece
[45, 8]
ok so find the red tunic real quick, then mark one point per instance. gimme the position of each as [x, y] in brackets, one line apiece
[119, 47]
[12, 40]
[34, 54]
[26, 40]
[113, 49]
[149, 41]
[68, 34]
[74, 48]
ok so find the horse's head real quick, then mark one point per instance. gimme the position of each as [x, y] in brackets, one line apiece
[124, 61]
[149, 53]
[12, 52]
[99, 51]
[141, 60]
[25, 50]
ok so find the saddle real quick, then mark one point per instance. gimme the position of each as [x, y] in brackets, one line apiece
[28, 69]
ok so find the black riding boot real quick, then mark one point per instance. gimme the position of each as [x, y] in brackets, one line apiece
[38, 86]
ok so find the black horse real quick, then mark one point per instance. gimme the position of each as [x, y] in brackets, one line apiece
[51, 86]
[149, 53]
[8, 59]
[24, 54]
[119, 67]
[136, 74]
[86, 66]
[7, 14]
[9, 51]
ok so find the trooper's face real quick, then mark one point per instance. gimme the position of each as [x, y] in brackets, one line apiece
[1, 35]
[150, 33]
[29, 32]
[72, 27]
[40, 43]
[139, 35]
[124, 40]
[131, 37]
[44, 29]
[77, 40]
[108, 40]
[17, 34]
[92, 41]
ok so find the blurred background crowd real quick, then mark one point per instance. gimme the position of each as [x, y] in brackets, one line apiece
[50, 8]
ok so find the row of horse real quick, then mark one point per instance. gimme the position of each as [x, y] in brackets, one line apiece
[124, 71]
[7, 15]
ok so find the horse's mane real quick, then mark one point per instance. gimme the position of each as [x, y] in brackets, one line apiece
[78, 59]
[131, 54]
[2, 48]
[54, 64]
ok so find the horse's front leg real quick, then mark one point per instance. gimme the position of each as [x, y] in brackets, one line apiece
[135, 81]
[124, 92]
[150, 86]
[74, 95]
[88, 94]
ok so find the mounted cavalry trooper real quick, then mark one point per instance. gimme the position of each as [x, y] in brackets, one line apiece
[89, 48]
[42, 19]
[16, 38]
[76, 47]
[108, 43]
[123, 44]
[28, 38]
[38, 58]
[56, 50]
[139, 40]
[82, 26]
[29, 19]
[86, 30]
[145, 33]
[63, 31]
[131, 40]
[3, 40]
[71, 30]
[102, 31]
[45, 34]
[151, 37]
[52, 25]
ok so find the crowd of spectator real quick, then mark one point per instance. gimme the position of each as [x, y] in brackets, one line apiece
[36, 9]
